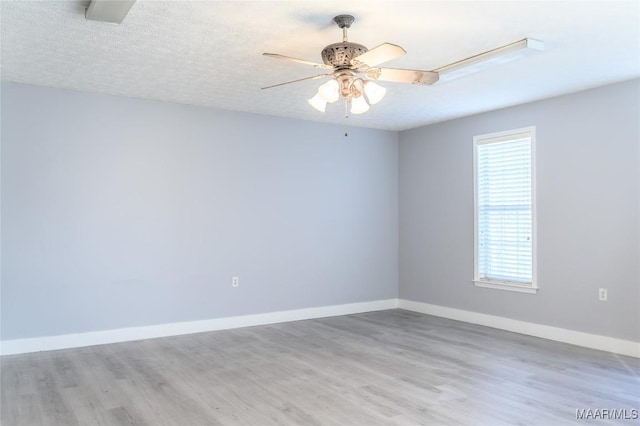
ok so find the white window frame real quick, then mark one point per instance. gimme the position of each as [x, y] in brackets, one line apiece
[494, 284]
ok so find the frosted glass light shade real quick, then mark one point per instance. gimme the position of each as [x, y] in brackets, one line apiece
[318, 103]
[329, 91]
[374, 92]
[359, 105]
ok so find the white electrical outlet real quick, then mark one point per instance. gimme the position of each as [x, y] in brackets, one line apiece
[235, 281]
[602, 294]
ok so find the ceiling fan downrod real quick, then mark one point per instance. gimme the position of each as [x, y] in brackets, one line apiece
[344, 22]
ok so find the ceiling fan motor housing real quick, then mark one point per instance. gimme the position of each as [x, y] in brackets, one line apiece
[339, 55]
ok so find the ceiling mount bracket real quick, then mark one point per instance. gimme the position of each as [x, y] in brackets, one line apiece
[344, 21]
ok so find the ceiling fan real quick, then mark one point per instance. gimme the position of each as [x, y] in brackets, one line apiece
[354, 69]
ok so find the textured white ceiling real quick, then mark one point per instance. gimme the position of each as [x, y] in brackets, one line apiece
[208, 53]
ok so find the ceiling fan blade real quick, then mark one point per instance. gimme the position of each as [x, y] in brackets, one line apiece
[313, 77]
[300, 61]
[379, 54]
[402, 76]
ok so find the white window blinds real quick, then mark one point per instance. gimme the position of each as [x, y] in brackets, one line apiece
[504, 209]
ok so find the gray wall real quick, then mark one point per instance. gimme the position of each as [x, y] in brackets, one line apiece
[588, 195]
[120, 212]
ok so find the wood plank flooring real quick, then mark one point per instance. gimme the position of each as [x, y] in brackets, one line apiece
[381, 368]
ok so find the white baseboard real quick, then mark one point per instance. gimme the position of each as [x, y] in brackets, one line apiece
[593, 341]
[65, 341]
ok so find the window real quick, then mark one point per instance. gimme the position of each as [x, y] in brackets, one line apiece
[504, 196]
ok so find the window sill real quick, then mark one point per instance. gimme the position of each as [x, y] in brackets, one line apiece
[506, 286]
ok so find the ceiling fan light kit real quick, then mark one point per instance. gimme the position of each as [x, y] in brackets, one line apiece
[359, 105]
[330, 91]
[354, 69]
[318, 103]
[374, 92]
[352, 89]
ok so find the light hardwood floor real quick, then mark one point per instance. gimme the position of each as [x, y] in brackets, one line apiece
[391, 367]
